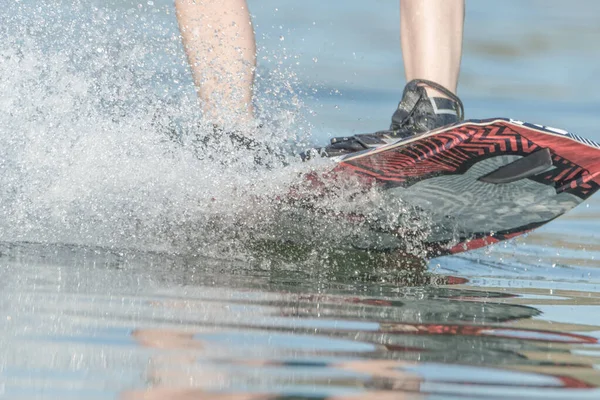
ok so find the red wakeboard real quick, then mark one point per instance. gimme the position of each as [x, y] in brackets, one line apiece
[448, 191]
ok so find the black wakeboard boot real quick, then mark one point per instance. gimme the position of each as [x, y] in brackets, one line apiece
[416, 113]
[219, 139]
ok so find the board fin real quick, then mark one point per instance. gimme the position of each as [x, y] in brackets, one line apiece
[525, 167]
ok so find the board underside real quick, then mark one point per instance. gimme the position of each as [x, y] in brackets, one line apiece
[452, 190]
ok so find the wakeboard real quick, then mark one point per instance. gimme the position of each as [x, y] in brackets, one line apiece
[447, 191]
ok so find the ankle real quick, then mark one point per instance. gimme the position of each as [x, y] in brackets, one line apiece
[436, 93]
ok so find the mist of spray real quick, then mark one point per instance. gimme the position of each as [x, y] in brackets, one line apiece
[100, 130]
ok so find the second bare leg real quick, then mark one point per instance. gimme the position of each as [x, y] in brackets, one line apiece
[431, 36]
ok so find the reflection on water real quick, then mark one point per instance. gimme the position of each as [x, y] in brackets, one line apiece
[91, 322]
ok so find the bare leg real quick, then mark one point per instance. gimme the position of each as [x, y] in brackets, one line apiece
[219, 42]
[431, 36]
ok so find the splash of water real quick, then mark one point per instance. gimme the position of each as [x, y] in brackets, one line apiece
[86, 157]
[102, 141]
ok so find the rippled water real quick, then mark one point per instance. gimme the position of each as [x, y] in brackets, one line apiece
[125, 269]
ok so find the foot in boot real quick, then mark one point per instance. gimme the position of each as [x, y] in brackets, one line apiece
[416, 113]
[215, 144]
[220, 140]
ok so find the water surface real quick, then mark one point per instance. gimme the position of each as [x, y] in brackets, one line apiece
[123, 264]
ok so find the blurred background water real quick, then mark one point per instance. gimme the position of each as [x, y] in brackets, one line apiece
[123, 269]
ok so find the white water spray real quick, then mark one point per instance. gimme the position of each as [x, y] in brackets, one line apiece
[100, 127]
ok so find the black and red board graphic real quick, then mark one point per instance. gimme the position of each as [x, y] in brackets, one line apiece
[480, 181]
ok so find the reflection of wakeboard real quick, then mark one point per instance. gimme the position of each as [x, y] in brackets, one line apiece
[476, 183]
